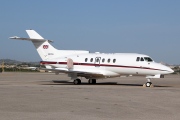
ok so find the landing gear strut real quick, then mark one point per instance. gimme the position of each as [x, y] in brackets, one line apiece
[92, 81]
[148, 83]
[77, 81]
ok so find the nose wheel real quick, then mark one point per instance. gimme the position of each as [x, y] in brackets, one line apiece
[148, 83]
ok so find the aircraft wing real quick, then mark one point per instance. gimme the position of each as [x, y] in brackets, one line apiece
[63, 70]
[83, 73]
[88, 73]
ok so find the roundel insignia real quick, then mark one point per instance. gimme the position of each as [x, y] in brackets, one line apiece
[45, 46]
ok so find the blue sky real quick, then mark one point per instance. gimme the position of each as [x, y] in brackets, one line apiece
[149, 27]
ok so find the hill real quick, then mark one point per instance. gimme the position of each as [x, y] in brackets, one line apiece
[15, 62]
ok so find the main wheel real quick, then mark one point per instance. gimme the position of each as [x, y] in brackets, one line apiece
[92, 81]
[77, 81]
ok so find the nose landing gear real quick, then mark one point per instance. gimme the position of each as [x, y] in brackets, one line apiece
[148, 83]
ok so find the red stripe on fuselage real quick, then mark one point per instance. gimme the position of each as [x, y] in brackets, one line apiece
[44, 62]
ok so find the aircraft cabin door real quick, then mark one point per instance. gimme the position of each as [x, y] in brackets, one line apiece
[97, 61]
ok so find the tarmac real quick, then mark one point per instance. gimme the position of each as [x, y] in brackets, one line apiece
[46, 96]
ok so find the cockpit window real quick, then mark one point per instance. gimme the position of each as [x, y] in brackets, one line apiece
[142, 59]
[138, 58]
[148, 59]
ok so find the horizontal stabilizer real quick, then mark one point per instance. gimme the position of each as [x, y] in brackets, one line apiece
[29, 39]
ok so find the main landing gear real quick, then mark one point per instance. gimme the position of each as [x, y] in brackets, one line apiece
[77, 81]
[90, 81]
[148, 83]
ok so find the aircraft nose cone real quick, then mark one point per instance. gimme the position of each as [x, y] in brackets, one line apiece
[170, 70]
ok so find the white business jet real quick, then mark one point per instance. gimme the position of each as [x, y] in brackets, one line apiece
[93, 66]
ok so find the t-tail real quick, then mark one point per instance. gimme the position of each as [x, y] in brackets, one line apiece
[45, 50]
[43, 46]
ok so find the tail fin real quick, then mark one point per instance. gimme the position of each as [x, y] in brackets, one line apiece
[44, 48]
[33, 34]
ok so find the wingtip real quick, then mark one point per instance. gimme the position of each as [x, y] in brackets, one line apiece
[14, 37]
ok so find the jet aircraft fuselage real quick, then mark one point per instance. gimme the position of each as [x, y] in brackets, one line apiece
[92, 66]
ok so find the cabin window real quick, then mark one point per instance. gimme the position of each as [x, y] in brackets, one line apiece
[97, 60]
[103, 60]
[86, 59]
[148, 59]
[91, 60]
[109, 60]
[114, 60]
[142, 59]
[138, 58]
